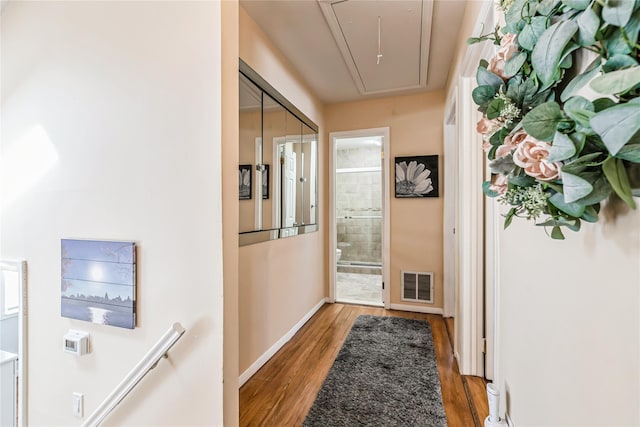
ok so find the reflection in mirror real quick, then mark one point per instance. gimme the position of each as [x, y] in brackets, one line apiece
[278, 164]
[275, 125]
[250, 138]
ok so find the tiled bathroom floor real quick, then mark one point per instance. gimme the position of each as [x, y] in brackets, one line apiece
[359, 288]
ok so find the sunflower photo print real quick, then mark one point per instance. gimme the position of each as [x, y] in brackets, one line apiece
[416, 176]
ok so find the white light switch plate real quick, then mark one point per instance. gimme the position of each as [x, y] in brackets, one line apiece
[77, 405]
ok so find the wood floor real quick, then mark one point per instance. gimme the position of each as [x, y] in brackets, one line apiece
[283, 390]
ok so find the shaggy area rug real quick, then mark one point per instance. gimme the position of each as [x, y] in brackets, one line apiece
[384, 375]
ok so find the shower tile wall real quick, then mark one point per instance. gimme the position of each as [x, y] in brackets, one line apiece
[358, 194]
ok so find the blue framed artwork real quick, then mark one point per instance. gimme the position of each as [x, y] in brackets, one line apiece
[99, 282]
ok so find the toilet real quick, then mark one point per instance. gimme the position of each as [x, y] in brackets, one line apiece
[338, 254]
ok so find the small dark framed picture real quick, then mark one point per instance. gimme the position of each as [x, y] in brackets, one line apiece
[416, 176]
[265, 181]
[245, 182]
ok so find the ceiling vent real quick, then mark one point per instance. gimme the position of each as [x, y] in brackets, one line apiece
[417, 287]
[384, 43]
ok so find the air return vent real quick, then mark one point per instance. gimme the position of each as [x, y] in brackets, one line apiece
[417, 287]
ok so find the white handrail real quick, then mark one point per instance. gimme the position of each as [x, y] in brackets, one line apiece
[148, 362]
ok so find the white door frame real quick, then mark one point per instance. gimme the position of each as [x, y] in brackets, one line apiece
[450, 247]
[21, 268]
[475, 270]
[386, 227]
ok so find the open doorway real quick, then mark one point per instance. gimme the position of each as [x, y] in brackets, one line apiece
[13, 343]
[358, 217]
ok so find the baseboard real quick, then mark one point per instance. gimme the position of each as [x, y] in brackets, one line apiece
[255, 366]
[415, 308]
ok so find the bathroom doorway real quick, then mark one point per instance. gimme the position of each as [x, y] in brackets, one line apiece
[358, 216]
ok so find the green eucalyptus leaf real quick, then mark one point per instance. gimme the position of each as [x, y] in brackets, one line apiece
[617, 125]
[616, 173]
[483, 94]
[617, 81]
[509, 217]
[574, 209]
[542, 121]
[578, 139]
[580, 110]
[545, 7]
[617, 12]
[547, 53]
[531, 32]
[562, 148]
[556, 233]
[486, 189]
[502, 165]
[575, 188]
[601, 190]
[494, 108]
[574, 226]
[601, 104]
[577, 4]
[581, 80]
[515, 12]
[487, 78]
[513, 65]
[617, 43]
[522, 181]
[588, 25]
[618, 62]
[630, 152]
[590, 214]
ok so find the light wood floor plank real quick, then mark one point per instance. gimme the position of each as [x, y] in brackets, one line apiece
[283, 390]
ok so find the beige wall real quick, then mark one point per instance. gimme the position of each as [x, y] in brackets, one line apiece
[279, 281]
[230, 132]
[415, 123]
[570, 324]
[111, 124]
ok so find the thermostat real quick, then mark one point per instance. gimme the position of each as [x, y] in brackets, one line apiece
[76, 342]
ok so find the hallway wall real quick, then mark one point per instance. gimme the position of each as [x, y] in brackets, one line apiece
[111, 129]
[570, 324]
[282, 280]
[416, 128]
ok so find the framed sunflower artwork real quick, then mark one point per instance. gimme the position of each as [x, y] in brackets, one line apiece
[416, 176]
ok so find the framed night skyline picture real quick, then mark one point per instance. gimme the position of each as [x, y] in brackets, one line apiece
[99, 282]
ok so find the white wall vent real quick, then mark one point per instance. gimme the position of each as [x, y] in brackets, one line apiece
[417, 287]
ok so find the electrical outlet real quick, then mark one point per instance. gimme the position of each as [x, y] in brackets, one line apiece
[77, 405]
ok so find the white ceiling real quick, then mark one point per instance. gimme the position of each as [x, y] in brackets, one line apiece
[417, 40]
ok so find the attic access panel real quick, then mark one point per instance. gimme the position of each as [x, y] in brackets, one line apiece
[405, 32]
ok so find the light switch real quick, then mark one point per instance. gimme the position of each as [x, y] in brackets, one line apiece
[77, 405]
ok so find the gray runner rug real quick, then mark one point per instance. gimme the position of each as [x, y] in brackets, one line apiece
[384, 375]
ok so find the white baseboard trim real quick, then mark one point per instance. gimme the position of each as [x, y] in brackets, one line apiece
[415, 308]
[255, 366]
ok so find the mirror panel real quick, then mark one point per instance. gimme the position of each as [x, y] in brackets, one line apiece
[275, 125]
[278, 164]
[250, 138]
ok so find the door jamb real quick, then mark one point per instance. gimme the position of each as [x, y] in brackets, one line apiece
[386, 226]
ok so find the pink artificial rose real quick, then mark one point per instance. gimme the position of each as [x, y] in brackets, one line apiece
[508, 48]
[510, 143]
[486, 146]
[531, 155]
[499, 184]
[485, 125]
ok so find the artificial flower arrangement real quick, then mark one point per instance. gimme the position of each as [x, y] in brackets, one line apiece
[554, 154]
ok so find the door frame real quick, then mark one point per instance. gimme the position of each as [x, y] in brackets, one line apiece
[475, 267]
[21, 268]
[386, 227]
